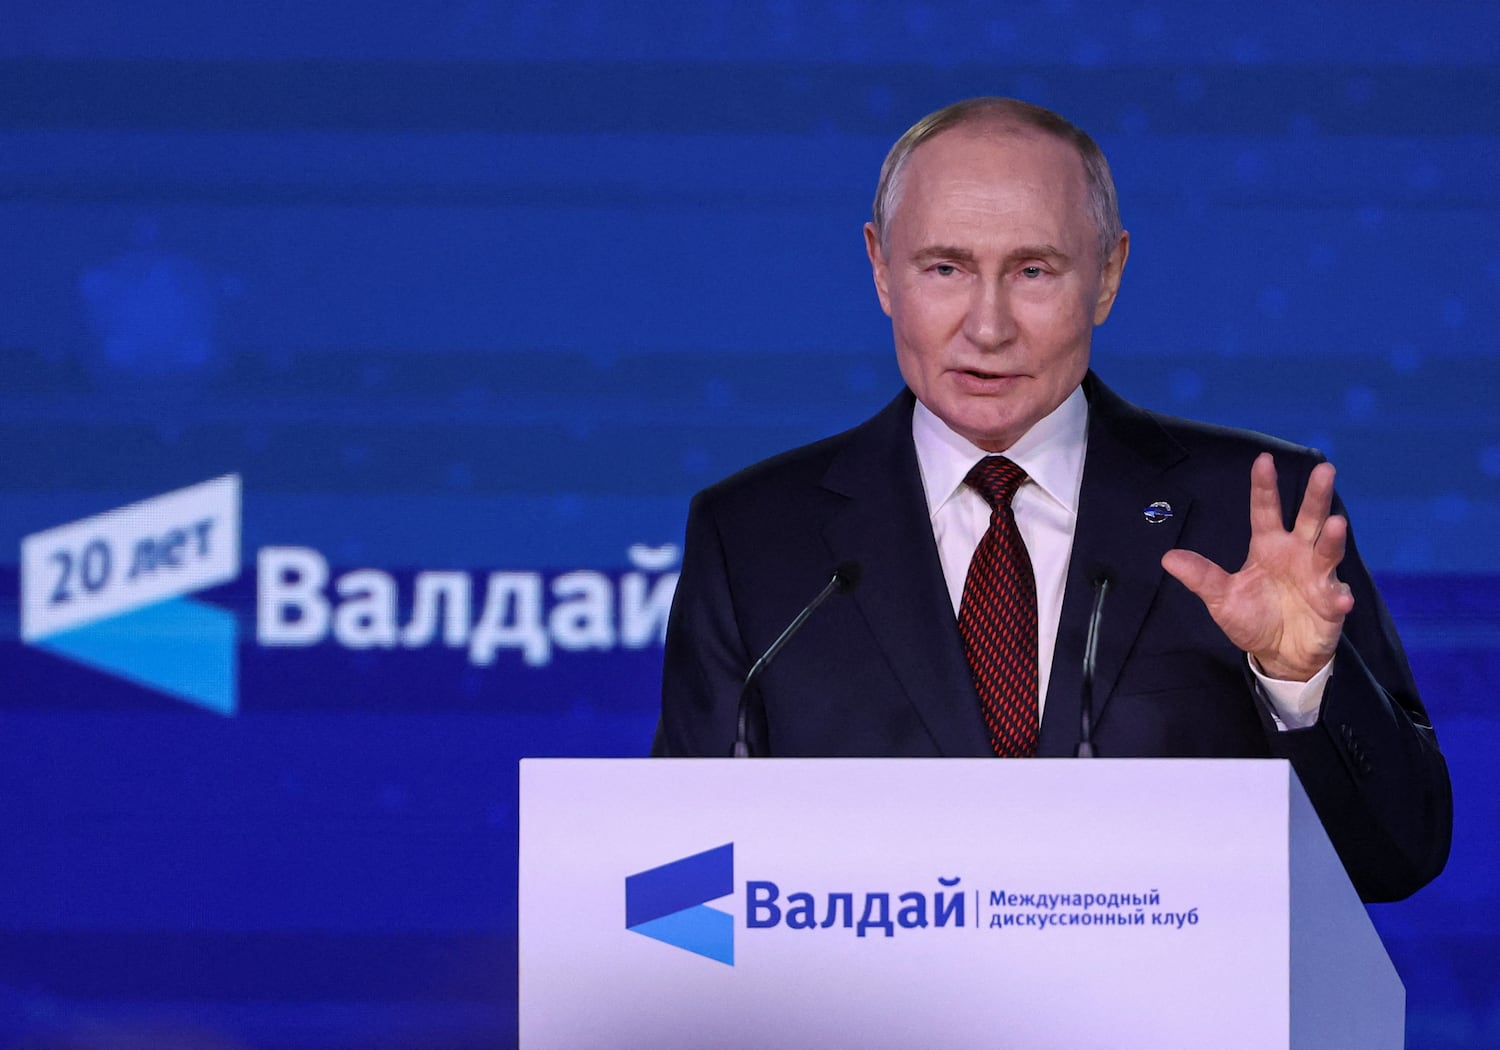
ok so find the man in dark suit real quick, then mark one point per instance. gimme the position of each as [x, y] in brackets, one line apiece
[996, 248]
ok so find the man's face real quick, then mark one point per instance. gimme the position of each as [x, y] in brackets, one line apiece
[992, 279]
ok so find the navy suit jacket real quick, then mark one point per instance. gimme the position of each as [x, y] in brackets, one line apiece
[881, 671]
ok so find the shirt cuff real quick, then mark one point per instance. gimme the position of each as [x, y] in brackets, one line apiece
[1293, 705]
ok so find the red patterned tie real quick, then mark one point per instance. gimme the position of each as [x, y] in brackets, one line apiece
[997, 617]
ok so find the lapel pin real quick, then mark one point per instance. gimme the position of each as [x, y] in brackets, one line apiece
[1158, 512]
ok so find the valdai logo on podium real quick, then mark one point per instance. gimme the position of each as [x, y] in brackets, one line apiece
[669, 903]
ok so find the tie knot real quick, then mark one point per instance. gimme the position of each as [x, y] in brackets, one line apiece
[996, 479]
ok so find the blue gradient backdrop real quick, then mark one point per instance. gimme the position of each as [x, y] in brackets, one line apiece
[490, 286]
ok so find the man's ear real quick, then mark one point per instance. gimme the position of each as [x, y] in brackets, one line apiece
[1109, 280]
[878, 269]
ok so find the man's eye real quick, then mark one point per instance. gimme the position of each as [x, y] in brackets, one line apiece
[1031, 272]
[945, 269]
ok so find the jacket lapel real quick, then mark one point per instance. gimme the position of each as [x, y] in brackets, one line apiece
[1124, 474]
[885, 529]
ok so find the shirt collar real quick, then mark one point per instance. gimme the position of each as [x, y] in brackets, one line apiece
[1051, 453]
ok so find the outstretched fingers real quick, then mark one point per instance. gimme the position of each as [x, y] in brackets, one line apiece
[1317, 501]
[1199, 575]
[1329, 551]
[1286, 605]
[1265, 499]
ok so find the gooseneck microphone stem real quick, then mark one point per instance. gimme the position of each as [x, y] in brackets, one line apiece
[1090, 657]
[843, 579]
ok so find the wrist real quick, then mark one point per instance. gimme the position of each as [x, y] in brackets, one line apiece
[1282, 671]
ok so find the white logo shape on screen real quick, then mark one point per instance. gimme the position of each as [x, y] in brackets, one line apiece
[653, 559]
[108, 592]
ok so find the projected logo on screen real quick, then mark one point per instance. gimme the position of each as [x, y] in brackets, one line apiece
[108, 592]
[669, 903]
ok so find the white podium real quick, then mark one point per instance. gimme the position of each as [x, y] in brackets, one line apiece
[906, 903]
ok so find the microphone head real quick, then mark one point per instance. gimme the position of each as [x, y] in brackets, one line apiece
[846, 576]
[1099, 575]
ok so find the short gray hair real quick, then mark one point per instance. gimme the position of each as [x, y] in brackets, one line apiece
[1104, 205]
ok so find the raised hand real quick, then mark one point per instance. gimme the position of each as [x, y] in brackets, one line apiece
[1285, 607]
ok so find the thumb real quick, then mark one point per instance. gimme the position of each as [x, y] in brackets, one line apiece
[1197, 574]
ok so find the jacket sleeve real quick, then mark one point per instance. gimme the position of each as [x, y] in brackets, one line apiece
[1371, 764]
[705, 659]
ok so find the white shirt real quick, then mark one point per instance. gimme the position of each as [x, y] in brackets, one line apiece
[1046, 510]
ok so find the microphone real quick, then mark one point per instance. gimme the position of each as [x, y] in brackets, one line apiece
[844, 578]
[1101, 582]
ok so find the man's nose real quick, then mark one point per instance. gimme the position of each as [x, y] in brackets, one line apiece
[990, 323]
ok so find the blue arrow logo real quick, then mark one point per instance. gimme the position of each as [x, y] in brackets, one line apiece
[669, 903]
[111, 592]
